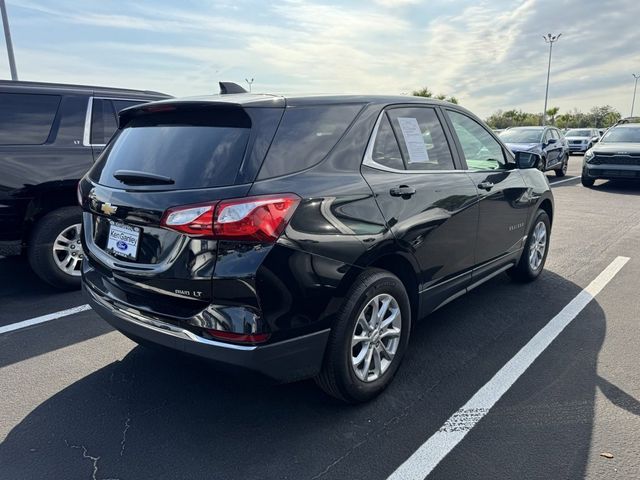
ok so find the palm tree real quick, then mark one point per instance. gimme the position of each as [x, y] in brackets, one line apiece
[552, 112]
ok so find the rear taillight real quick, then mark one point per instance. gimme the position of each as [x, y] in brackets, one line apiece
[190, 219]
[257, 219]
[260, 219]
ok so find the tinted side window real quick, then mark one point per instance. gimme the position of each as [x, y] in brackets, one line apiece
[386, 151]
[555, 134]
[103, 121]
[421, 137]
[481, 150]
[26, 119]
[305, 136]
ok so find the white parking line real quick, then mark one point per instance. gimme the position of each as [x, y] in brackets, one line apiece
[565, 180]
[431, 453]
[44, 318]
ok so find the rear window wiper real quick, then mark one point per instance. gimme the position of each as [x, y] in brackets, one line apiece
[134, 177]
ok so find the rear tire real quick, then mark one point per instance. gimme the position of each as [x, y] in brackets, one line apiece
[562, 171]
[345, 374]
[534, 254]
[54, 251]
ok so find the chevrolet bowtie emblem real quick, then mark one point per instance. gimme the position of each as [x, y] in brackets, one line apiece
[108, 209]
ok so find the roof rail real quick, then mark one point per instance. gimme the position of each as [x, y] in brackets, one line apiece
[627, 120]
[230, 87]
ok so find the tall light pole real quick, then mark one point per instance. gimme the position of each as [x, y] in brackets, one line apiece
[249, 82]
[633, 102]
[7, 37]
[550, 39]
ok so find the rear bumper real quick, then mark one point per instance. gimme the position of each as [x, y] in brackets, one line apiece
[284, 361]
[628, 172]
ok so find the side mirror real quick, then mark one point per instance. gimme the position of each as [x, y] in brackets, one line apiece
[527, 159]
[596, 140]
[552, 141]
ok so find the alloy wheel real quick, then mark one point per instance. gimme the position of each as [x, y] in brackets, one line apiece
[538, 245]
[376, 337]
[67, 250]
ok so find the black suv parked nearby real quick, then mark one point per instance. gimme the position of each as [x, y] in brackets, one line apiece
[303, 236]
[49, 137]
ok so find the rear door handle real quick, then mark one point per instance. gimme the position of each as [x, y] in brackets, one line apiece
[486, 186]
[404, 191]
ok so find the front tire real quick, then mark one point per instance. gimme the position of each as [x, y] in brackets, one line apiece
[534, 255]
[542, 164]
[369, 338]
[587, 181]
[55, 252]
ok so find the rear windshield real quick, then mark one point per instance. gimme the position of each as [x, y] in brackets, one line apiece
[193, 156]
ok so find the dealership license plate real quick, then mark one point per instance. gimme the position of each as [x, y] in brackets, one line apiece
[123, 240]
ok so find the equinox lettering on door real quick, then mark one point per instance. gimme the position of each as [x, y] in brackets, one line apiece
[517, 226]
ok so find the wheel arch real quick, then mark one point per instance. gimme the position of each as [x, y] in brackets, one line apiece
[547, 206]
[404, 269]
[45, 199]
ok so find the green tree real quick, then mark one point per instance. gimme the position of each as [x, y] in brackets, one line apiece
[598, 116]
[425, 92]
[552, 112]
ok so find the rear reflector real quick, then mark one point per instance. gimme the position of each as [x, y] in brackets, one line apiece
[238, 337]
[254, 219]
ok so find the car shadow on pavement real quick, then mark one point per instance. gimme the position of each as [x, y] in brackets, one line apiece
[627, 187]
[23, 295]
[157, 415]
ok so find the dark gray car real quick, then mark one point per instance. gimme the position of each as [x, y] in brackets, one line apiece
[617, 155]
[547, 142]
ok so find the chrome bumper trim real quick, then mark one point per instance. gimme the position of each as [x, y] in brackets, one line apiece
[135, 316]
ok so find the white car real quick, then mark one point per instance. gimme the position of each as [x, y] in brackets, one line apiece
[582, 139]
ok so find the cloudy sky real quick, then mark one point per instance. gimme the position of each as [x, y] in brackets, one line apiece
[490, 54]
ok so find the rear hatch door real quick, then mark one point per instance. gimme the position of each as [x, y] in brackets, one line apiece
[166, 155]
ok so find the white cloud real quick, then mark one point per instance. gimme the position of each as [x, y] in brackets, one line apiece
[488, 54]
[396, 3]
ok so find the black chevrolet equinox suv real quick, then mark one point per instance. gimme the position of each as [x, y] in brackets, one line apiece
[49, 137]
[303, 236]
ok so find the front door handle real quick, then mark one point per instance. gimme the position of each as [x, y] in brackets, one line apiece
[486, 186]
[404, 191]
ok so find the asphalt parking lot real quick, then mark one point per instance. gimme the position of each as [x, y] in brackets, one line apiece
[79, 400]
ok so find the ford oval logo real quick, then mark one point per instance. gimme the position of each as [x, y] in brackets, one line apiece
[122, 245]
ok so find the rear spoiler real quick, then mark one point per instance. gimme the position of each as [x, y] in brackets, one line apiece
[232, 97]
